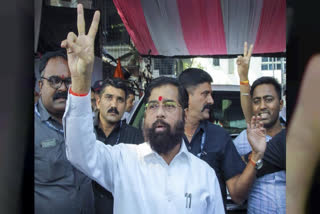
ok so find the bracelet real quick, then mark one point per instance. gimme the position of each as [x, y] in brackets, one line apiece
[76, 94]
[251, 161]
[245, 94]
[246, 82]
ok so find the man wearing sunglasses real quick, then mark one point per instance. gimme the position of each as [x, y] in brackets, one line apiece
[59, 187]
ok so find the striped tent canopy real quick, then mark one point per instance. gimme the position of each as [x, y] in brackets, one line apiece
[204, 27]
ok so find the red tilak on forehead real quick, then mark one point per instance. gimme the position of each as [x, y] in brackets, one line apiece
[160, 98]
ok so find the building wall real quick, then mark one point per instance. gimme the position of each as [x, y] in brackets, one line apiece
[226, 72]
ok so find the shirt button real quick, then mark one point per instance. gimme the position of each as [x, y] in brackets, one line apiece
[189, 148]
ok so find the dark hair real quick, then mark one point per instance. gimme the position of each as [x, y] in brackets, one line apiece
[267, 80]
[192, 77]
[161, 81]
[51, 54]
[130, 91]
[116, 83]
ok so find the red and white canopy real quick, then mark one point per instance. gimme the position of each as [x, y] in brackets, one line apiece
[204, 27]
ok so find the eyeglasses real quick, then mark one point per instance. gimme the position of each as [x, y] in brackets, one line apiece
[56, 82]
[168, 106]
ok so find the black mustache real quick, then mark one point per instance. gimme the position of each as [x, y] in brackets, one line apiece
[113, 110]
[59, 95]
[207, 106]
[160, 122]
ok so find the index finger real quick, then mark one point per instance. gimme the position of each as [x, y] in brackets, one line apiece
[94, 25]
[245, 48]
[80, 20]
[250, 50]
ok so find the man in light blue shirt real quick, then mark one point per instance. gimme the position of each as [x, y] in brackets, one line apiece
[268, 193]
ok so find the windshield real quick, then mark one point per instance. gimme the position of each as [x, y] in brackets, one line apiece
[227, 111]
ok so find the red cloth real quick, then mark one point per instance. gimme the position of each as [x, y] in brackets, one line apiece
[271, 36]
[202, 26]
[118, 72]
[133, 18]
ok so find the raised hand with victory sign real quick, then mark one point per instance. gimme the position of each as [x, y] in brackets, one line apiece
[80, 50]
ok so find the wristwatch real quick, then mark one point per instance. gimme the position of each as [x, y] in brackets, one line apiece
[257, 164]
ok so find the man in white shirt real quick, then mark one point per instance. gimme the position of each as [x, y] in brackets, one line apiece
[159, 176]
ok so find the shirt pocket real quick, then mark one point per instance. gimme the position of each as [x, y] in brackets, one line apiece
[199, 203]
[51, 163]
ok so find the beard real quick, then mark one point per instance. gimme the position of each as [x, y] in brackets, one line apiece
[272, 122]
[272, 119]
[163, 142]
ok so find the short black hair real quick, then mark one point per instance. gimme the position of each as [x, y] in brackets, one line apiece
[192, 77]
[51, 54]
[161, 81]
[116, 83]
[266, 80]
[131, 91]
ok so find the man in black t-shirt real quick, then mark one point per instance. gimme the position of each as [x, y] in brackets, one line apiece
[110, 129]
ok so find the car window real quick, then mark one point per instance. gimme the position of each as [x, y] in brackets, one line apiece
[227, 111]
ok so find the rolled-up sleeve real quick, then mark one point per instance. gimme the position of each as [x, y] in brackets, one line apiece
[83, 150]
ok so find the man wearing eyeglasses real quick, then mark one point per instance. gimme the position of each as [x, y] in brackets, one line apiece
[59, 187]
[158, 176]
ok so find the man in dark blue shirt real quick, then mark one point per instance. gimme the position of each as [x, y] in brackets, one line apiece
[211, 142]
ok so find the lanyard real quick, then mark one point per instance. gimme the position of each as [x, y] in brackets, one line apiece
[47, 122]
[203, 139]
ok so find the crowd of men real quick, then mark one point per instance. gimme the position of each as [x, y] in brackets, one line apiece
[89, 160]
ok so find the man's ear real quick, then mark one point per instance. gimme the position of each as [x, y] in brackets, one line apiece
[185, 113]
[98, 102]
[40, 84]
[281, 104]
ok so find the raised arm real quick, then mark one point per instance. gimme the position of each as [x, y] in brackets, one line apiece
[80, 50]
[90, 156]
[243, 63]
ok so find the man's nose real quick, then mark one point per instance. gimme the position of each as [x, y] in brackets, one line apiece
[262, 104]
[63, 87]
[113, 102]
[210, 99]
[160, 113]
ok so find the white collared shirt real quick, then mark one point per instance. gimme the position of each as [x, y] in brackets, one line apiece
[139, 179]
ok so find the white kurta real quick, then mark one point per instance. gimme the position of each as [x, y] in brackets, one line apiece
[139, 179]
